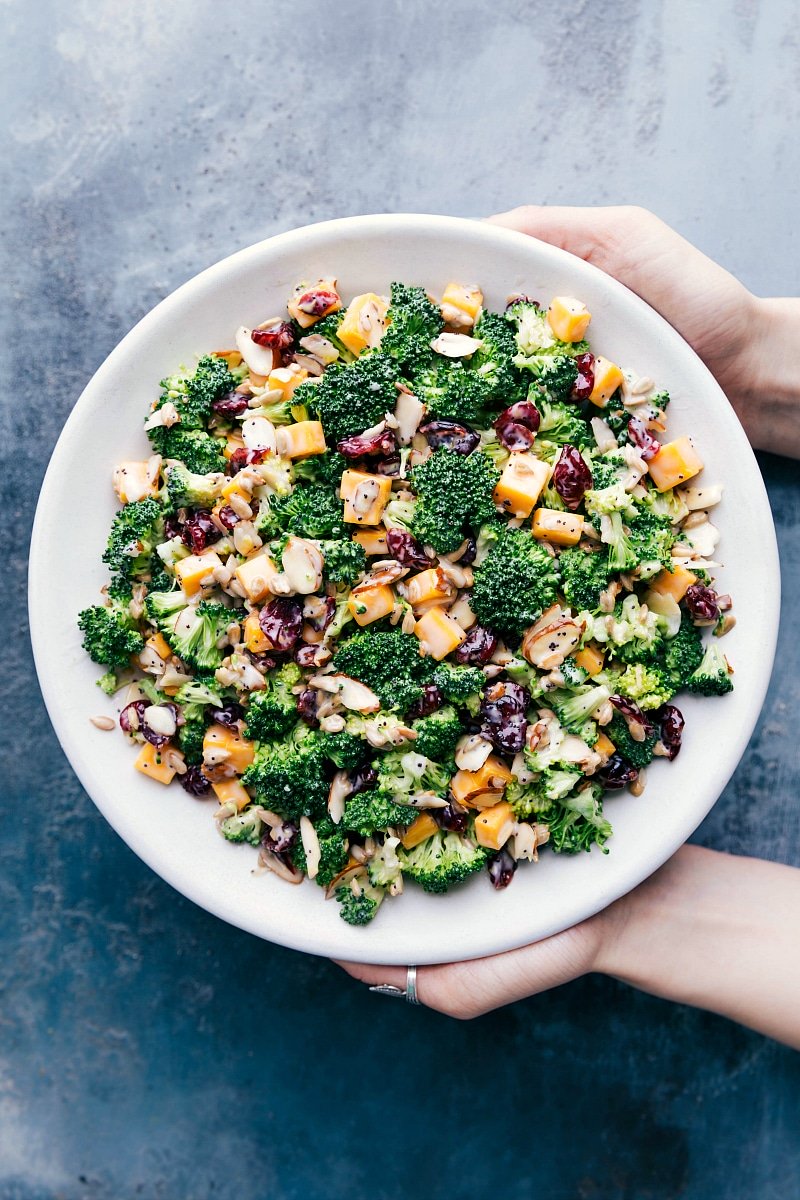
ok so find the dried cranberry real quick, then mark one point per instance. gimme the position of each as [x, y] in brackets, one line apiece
[227, 517]
[670, 722]
[502, 714]
[450, 435]
[362, 444]
[231, 405]
[307, 707]
[281, 622]
[404, 547]
[363, 779]
[321, 622]
[453, 817]
[387, 466]
[317, 301]
[469, 554]
[631, 712]
[280, 838]
[516, 427]
[199, 531]
[501, 869]
[641, 436]
[477, 648]
[129, 723]
[429, 701]
[173, 527]
[304, 654]
[243, 457]
[194, 782]
[571, 476]
[229, 715]
[617, 773]
[264, 662]
[702, 602]
[140, 725]
[279, 338]
[584, 385]
[521, 300]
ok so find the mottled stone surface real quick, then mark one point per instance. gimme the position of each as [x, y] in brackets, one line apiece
[146, 1049]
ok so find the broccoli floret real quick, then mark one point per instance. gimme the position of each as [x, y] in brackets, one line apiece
[493, 361]
[163, 607]
[652, 538]
[199, 452]
[514, 583]
[351, 398]
[135, 532]
[199, 693]
[531, 799]
[385, 868]
[193, 395]
[322, 468]
[413, 322]
[109, 634]
[289, 778]
[403, 774]
[273, 711]
[194, 635]
[438, 733]
[455, 492]
[634, 635]
[561, 424]
[441, 860]
[187, 490]
[555, 374]
[577, 822]
[648, 686]
[190, 738]
[638, 754]
[573, 675]
[683, 653]
[311, 511]
[389, 662]
[456, 683]
[584, 575]
[452, 392]
[359, 909]
[367, 812]
[712, 677]
[574, 709]
[245, 826]
[534, 336]
[345, 561]
[345, 750]
[332, 852]
[607, 469]
[621, 551]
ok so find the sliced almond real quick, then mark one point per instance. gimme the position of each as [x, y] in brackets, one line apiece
[258, 434]
[455, 345]
[302, 563]
[472, 752]
[408, 413]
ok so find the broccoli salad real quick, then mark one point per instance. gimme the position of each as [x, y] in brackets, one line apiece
[407, 587]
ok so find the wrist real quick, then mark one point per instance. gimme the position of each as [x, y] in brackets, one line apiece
[768, 398]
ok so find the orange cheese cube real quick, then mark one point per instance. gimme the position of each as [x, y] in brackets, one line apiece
[286, 379]
[427, 589]
[568, 318]
[256, 576]
[364, 323]
[590, 659]
[231, 791]
[150, 762]
[232, 357]
[673, 581]
[604, 746]
[481, 788]
[461, 304]
[239, 752]
[438, 633]
[235, 487]
[495, 825]
[675, 463]
[373, 541]
[521, 483]
[561, 528]
[254, 638]
[607, 378]
[136, 480]
[312, 302]
[420, 829]
[301, 440]
[160, 644]
[365, 497]
[370, 604]
[194, 568]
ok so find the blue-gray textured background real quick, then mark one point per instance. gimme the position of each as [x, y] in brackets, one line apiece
[147, 1050]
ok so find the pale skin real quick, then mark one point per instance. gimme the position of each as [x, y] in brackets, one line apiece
[708, 929]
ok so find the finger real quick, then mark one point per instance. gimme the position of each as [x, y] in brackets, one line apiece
[597, 235]
[367, 973]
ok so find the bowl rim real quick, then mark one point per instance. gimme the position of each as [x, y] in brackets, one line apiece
[310, 940]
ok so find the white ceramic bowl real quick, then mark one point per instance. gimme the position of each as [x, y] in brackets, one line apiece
[174, 833]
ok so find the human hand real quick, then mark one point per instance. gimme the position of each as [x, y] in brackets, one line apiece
[745, 341]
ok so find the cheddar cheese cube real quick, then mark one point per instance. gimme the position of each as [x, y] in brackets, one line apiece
[136, 480]
[675, 463]
[568, 318]
[673, 581]
[193, 569]
[607, 378]
[590, 659]
[438, 633]
[219, 740]
[521, 483]
[231, 791]
[150, 761]
[232, 357]
[370, 604]
[561, 528]
[160, 644]
[373, 541]
[604, 746]
[256, 576]
[365, 497]
[286, 379]
[461, 304]
[481, 788]
[237, 487]
[301, 440]
[254, 638]
[495, 825]
[364, 323]
[420, 829]
[427, 589]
